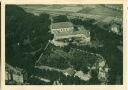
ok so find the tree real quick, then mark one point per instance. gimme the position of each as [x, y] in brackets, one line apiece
[60, 18]
[20, 26]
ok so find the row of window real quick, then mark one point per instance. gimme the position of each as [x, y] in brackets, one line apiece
[62, 30]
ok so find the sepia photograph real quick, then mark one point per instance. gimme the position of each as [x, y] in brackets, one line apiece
[0, 44]
[64, 44]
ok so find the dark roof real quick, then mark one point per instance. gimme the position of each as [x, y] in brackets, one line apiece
[61, 25]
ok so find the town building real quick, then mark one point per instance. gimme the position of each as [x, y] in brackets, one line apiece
[82, 75]
[115, 29]
[69, 72]
[64, 32]
[14, 75]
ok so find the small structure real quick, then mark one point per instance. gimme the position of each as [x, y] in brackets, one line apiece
[115, 29]
[83, 76]
[64, 32]
[14, 75]
[69, 72]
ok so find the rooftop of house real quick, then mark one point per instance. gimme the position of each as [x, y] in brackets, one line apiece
[61, 25]
[70, 71]
[82, 75]
[115, 25]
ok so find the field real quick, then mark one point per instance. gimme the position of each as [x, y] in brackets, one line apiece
[86, 9]
[101, 10]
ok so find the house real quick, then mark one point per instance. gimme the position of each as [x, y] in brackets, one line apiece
[82, 75]
[69, 72]
[64, 32]
[115, 29]
[14, 75]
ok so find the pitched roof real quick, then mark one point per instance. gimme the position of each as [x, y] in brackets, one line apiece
[61, 25]
[70, 71]
[83, 76]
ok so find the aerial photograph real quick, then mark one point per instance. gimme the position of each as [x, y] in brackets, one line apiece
[64, 44]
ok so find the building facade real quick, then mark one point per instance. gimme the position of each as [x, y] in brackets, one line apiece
[64, 32]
